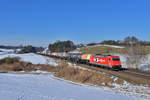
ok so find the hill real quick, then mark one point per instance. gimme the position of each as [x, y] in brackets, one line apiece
[102, 49]
[109, 49]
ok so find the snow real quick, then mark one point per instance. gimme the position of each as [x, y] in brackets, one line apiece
[145, 63]
[47, 87]
[75, 66]
[144, 67]
[114, 78]
[45, 50]
[6, 50]
[18, 50]
[113, 46]
[31, 57]
[75, 52]
[40, 72]
[130, 89]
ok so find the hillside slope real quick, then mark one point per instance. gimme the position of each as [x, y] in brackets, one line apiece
[102, 49]
[45, 87]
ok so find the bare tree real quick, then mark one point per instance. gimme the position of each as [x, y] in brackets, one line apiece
[135, 52]
[131, 41]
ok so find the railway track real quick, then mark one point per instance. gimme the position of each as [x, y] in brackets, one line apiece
[140, 74]
[132, 75]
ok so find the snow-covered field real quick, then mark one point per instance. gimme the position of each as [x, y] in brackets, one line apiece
[6, 50]
[46, 87]
[112, 46]
[99, 45]
[28, 57]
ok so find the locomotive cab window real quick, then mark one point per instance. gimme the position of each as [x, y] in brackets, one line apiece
[116, 59]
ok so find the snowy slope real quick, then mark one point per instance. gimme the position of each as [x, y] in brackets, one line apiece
[144, 63]
[7, 50]
[113, 46]
[31, 57]
[46, 87]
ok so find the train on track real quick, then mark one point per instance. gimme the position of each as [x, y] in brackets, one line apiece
[106, 61]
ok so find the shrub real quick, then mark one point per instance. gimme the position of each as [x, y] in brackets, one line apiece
[83, 76]
[17, 68]
[9, 60]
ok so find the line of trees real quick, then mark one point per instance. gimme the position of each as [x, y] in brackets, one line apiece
[24, 49]
[11, 47]
[127, 41]
[31, 49]
[62, 46]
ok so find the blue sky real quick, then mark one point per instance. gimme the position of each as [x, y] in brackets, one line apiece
[40, 22]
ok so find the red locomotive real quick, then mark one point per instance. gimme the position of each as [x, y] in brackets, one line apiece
[106, 61]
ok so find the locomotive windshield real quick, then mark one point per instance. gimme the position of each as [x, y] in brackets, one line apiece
[116, 59]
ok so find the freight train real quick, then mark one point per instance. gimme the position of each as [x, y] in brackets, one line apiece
[107, 61]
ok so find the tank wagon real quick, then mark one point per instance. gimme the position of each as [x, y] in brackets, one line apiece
[75, 57]
[85, 58]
